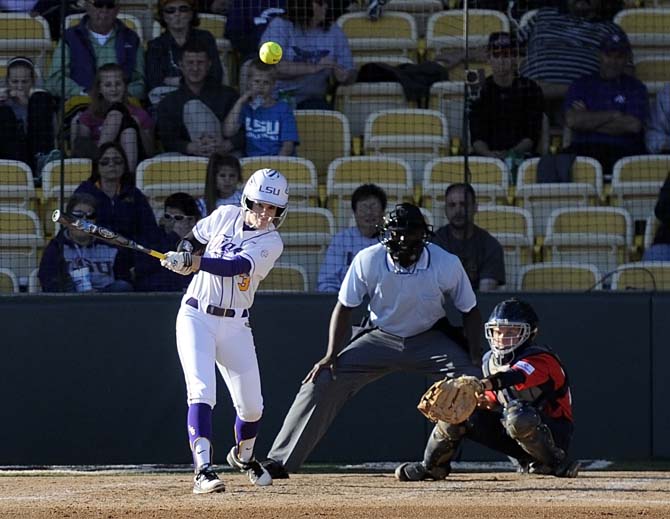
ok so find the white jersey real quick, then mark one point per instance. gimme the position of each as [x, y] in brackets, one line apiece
[406, 302]
[225, 237]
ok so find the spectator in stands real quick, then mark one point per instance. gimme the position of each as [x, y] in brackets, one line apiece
[222, 184]
[563, 44]
[658, 129]
[112, 118]
[315, 51]
[480, 253]
[506, 119]
[74, 261]
[190, 120]
[269, 125]
[245, 22]
[606, 111]
[660, 248]
[27, 125]
[180, 214]
[98, 39]
[179, 19]
[120, 205]
[368, 203]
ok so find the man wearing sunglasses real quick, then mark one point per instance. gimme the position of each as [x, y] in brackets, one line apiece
[98, 39]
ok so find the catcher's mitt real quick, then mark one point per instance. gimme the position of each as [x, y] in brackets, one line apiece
[451, 400]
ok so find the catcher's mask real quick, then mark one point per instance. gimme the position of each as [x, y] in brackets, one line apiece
[511, 325]
[404, 232]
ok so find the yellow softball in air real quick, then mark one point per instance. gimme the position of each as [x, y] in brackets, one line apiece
[270, 53]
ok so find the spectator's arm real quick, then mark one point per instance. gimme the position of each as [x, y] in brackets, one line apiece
[333, 264]
[232, 122]
[658, 131]
[287, 149]
[53, 81]
[525, 145]
[293, 69]
[136, 85]
[621, 124]
[51, 272]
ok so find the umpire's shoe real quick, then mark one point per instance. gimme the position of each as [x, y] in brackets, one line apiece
[417, 471]
[256, 472]
[206, 481]
[275, 468]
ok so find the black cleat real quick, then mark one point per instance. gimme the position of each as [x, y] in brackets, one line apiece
[275, 469]
[417, 471]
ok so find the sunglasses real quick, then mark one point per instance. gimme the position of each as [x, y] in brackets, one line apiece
[177, 217]
[181, 9]
[83, 214]
[117, 161]
[104, 4]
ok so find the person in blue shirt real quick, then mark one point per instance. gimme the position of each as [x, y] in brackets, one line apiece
[269, 125]
[368, 202]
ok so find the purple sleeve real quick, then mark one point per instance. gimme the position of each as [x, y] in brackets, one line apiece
[226, 267]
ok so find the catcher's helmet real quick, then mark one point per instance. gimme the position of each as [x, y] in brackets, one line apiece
[511, 325]
[267, 186]
[404, 233]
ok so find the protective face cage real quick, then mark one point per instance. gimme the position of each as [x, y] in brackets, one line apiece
[280, 216]
[404, 233]
[507, 343]
[267, 186]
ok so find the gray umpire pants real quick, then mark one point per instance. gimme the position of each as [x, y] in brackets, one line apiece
[367, 358]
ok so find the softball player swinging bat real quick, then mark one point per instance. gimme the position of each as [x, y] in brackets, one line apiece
[241, 245]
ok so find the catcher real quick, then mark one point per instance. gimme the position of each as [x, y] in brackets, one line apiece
[522, 406]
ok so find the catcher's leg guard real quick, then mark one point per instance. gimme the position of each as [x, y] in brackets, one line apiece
[524, 424]
[442, 444]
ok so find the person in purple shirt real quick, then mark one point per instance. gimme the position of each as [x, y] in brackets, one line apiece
[607, 111]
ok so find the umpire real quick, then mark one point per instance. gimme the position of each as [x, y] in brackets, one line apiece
[406, 280]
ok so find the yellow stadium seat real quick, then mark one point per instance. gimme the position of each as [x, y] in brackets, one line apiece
[642, 275]
[285, 277]
[561, 277]
[647, 29]
[489, 178]
[21, 238]
[306, 234]
[653, 68]
[446, 29]
[393, 34]
[131, 21]
[419, 9]
[9, 283]
[393, 175]
[324, 136]
[16, 183]
[636, 182]
[360, 100]
[541, 198]
[447, 98]
[301, 174]
[513, 228]
[415, 135]
[34, 285]
[159, 177]
[22, 35]
[602, 236]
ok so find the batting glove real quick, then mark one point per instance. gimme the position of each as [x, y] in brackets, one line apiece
[179, 262]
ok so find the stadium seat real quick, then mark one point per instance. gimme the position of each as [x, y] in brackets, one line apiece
[559, 277]
[602, 236]
[76, 171]
[642, 275]
[159, 177]
[419, 9]
[16, 183]
[9, 283]
[216, 24]
[636, 182]
[393, 175]
[415, 135]
[447, 98]
[445, 29]
[650, 228]
[489, 178]
[324, 136]
[131, 21]
[23, 35]
[34, 285]
[647, 30]
[21, 238]
[513, 228]
[300, 173]
[360, 100]
[541, 198]
[285, 277]
[393, 34]
[306, 234]
[653, 68]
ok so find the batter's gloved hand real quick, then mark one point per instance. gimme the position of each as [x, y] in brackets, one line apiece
[179, 262]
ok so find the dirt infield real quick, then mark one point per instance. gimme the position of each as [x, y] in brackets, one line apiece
[488, 495]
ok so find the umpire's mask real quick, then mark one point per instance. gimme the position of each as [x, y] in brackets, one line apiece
[404, 233]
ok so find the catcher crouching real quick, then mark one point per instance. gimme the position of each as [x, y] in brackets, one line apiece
[522, 407]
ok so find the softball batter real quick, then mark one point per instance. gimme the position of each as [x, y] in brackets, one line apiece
[240, 247]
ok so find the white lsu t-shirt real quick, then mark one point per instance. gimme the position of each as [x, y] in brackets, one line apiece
[406, 302]
[225, 237]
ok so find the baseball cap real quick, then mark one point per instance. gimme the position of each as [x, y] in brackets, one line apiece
[615, 42]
